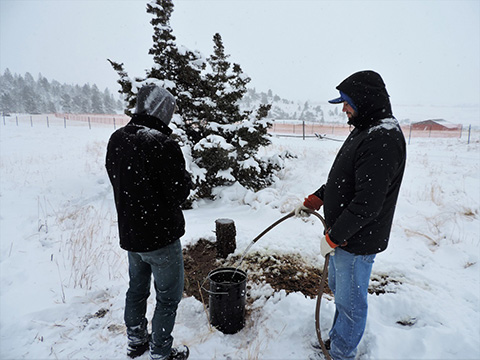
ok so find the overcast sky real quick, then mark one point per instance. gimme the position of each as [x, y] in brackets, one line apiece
[427, 51]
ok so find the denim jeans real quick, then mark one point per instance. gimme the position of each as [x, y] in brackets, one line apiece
[166, 265]
[348, 278]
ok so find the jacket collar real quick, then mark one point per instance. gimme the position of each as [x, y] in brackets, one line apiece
[151, 122]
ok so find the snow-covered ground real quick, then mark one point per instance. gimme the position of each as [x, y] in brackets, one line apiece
[63, 276]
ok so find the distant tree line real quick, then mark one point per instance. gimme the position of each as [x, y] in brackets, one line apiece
[24, 94]
[282, 109]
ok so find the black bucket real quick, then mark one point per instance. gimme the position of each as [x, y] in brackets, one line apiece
[227, 299]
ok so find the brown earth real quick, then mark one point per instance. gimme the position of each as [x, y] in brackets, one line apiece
[288, 272]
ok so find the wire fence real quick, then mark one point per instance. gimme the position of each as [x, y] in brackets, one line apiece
[285, 128]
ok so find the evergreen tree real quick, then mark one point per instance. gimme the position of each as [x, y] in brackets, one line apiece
[96, 100]
[216, 153]
[126, 86]
[222, 140]
[109, 104]
[7, 84]
[27, 94]
[66, 103]
[307, 114]
[234, 158]
[177, 69]
[319, 114]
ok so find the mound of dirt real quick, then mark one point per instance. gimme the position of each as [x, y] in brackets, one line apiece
[287, 272]
[282, 272]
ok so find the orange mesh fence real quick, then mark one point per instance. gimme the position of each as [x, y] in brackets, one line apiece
[279, 127]
[117, 119]
[309, 129]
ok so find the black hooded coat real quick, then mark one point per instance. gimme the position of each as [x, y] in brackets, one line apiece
[362, 188]
[147, 171]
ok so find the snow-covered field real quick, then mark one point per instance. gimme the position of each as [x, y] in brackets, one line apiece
[63, 276]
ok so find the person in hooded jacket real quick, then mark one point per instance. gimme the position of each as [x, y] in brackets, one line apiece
[358, 200]
[147, 170]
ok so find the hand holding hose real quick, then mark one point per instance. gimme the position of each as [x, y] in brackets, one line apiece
[311, 203]
[327, 246]
[301, 211]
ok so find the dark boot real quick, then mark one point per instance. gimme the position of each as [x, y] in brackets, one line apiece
[178, 353]
[136, 350]
[138, 339]
[327, 344]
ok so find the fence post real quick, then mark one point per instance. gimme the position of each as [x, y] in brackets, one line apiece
[48, 125]
[64, 122]
[303, 127]
[31, 121]
[16, 119]
[114, 127]
[410, 135]
[469, 131]
[89, 125]
[4, 119]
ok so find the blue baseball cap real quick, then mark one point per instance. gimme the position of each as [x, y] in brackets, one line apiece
[343, 97]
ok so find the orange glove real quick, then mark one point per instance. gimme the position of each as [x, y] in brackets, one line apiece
[313, 202]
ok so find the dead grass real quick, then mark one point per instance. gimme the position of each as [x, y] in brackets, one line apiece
[413, 233]
[89, 249]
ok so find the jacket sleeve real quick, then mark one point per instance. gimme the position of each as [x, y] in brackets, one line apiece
[176, 180]
[377, 162]
[167, 173]
[320, 192]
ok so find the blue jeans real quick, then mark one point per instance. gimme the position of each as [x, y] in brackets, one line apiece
[348, 278]
[166, 265]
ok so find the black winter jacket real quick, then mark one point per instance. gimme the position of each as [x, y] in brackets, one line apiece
[147, 171]
[362, 188]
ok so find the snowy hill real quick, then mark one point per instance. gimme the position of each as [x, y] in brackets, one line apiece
[63, 276]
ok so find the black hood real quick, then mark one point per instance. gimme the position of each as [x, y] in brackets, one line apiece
[155, 101]
[369, 94]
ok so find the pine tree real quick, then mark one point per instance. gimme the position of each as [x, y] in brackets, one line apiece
[7, 84]
[177, 69]
[108, 102]
[126, 86]
[222, 139]
[96, 100]
[66, 103]
[228, 153]
[214, 152]
[252, 171]
[28, 95]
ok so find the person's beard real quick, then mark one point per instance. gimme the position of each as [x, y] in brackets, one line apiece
[351, 118]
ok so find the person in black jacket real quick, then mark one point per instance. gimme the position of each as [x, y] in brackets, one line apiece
[359, 200]
[147, 170]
